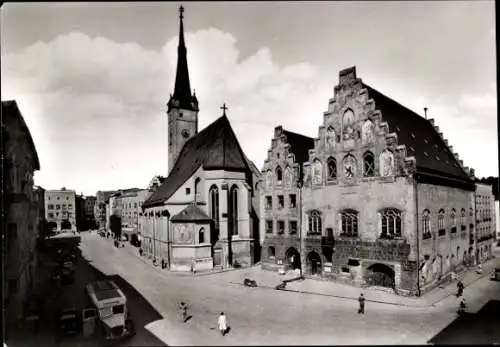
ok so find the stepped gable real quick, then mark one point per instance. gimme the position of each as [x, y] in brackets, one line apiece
[299, 145]
[190, 214]
[214, 148]
[420, 137]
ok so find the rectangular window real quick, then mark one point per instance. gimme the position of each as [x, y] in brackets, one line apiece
[293, 227]
[269, 202]
[50, 206]
[58, 207]
[281, 227]
[51, 215]
[188, 191]
[281, 201]
[269, 226]
[63, 206]
[293, 201]
[70, 206]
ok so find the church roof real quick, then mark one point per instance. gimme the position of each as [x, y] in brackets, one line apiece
[215, 148]
[299, 145]
[10, 110]
[190, 213]
[422, 140]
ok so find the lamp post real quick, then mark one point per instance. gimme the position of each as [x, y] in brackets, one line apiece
[299, 186]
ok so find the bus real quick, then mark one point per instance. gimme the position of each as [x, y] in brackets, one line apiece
[111, 306]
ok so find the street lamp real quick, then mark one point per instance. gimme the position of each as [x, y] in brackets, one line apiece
[299, 186]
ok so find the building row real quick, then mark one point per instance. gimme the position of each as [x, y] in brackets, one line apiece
[378, 197]
[23, 213]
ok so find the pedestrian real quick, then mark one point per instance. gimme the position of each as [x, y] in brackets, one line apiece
[361, 300]
[183, 311]
[461, 306]
[140, 251]
[460, 289]
[222, 324]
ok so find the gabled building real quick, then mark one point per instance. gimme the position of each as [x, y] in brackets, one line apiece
[385, 200]
[280, 192]
[21, 212]
[209, 176]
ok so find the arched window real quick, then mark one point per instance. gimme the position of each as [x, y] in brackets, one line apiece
[279, 174]
[317, 172]
[391, 223]
[315, 222]
[349, 164]
[332, 168]
[269, 179]
[201, 235]
[197, 189]
[368, 164]
[330, 138]
[441, 224]
[233, 210]
[453, 220]
[462, 219]
[214, 205]
[271, 252]
[426, 224]
[349, 219]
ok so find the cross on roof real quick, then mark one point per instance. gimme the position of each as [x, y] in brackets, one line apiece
[181, 10]
[224, 108]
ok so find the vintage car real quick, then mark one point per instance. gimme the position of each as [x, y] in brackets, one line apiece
[495, 275]
[68, 321]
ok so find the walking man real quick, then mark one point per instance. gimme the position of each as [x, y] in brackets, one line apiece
[361, 300]
[222, 324]
[460, 288]
[183, 311]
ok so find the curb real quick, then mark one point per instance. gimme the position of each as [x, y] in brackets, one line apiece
[335, 296]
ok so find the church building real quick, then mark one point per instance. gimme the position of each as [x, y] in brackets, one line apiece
[203, 214]
[379, 198]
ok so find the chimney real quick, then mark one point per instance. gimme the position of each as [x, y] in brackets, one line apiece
[425, 112]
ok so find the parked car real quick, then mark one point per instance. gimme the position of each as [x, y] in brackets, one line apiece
[68, 321]
[495, 276]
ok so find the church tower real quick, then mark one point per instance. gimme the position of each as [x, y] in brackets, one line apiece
[182, 108]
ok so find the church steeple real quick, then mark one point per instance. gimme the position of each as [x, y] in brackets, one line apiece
[182, 97]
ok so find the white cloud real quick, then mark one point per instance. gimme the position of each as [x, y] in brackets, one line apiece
[96, 108]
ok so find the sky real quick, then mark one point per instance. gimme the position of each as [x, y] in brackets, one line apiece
[92, 79]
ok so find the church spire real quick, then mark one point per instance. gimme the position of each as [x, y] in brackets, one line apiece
[182, 97]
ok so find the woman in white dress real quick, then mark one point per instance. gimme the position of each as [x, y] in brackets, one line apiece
[222, 324]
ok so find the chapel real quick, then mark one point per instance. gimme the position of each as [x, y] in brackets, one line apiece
[203, 213]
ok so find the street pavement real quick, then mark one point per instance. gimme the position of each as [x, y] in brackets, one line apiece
[74, 295]
[267, 316]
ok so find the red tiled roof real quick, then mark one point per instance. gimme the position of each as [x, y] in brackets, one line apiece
[214, 148]
[190, 213]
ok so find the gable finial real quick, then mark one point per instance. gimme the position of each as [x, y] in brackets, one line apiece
[224, 108]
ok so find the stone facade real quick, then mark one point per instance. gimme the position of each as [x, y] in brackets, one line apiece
[60, 209]
[21, 212]
[365, 217]
[228, 246]
[485, 222]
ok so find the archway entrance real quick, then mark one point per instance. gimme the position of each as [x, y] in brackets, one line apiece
[65, 225]
[51, 226]
[380, 275]
[314, 263]
[293, 258]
